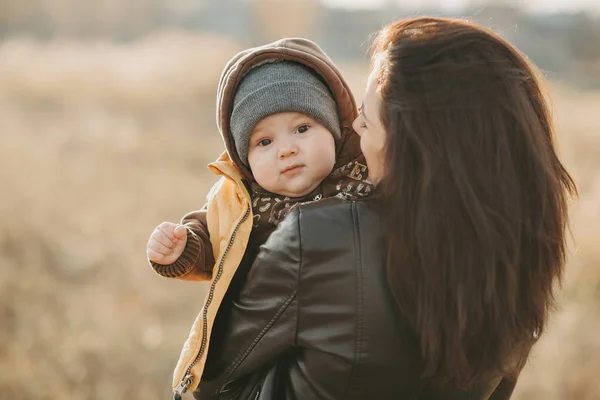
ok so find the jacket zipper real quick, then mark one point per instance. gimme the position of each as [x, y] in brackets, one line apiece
[188, 377]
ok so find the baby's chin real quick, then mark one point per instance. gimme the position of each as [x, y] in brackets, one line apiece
[299, 192]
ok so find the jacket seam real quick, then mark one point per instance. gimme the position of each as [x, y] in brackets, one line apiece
[240, 358]
[352, 381]
[300, 263]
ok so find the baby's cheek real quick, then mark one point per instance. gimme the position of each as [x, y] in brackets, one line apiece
[260, 171]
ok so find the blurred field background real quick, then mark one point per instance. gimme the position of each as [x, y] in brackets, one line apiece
[106, 127]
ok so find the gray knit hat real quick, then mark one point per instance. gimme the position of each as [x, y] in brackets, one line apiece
[275, 87]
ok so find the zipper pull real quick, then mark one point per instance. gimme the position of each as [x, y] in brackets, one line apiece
[183, 386]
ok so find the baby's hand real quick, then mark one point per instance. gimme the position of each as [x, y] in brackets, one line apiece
[166, 243]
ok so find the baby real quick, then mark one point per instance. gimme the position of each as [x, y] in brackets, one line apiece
[287, 142]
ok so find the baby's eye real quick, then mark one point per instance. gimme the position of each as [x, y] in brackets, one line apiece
[302, 129]
[264, 142]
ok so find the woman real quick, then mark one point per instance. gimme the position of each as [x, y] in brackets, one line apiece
[438, 287]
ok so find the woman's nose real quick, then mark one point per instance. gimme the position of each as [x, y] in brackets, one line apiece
[356, 125]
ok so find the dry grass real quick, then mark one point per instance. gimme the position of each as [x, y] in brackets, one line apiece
[99, 143]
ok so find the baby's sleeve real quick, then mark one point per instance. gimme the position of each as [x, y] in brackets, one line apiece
[197, 260]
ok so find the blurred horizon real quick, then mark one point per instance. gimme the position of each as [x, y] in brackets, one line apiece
[107, 124]
[533, 6]
[563, 44]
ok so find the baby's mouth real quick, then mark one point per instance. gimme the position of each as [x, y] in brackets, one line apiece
[292, 168]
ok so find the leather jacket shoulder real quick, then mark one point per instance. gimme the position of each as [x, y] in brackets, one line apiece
[315, 305]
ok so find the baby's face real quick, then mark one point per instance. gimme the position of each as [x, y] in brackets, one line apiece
[290, 154]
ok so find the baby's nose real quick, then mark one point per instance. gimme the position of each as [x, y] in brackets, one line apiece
[288, 151]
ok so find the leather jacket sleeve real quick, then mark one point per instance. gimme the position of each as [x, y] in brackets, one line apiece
[300, 295]
[257, 325]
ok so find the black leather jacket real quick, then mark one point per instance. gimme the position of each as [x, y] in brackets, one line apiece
[314, 313]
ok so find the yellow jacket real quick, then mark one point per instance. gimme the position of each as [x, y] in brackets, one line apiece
[229, 222]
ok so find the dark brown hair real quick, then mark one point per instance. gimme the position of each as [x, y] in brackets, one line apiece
[474, 195]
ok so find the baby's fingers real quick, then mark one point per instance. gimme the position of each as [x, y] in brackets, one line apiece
[154, 256]
[180, 232]
[167, 228]
[160, 237]
[159, 247]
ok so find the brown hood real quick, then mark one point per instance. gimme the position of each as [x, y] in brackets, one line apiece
[294, 49]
